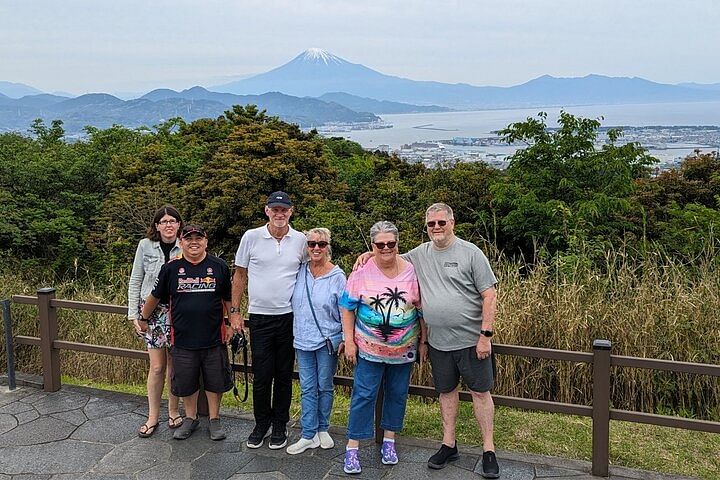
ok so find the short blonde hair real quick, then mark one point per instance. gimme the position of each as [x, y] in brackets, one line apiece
[324, 234]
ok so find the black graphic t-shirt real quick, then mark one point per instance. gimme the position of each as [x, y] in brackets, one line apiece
[195, 293]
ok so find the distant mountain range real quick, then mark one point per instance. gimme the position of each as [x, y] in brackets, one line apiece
[17, 90]
[316, 72]
[317, 87]
[103, 110]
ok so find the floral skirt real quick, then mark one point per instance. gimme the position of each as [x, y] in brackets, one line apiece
[158, 332]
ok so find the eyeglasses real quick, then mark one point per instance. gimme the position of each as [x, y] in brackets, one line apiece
[384, 245]
[431, 223]
[321, 244]
[167, 222]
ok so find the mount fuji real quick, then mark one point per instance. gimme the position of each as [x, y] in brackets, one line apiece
[316, 72]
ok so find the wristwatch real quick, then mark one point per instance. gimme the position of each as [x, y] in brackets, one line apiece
[234, 310]
[487, 333]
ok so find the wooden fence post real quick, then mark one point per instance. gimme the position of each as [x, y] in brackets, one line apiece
[601, 408]
[48, 334]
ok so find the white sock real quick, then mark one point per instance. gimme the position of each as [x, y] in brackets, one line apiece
[391, 440]
[347, 449]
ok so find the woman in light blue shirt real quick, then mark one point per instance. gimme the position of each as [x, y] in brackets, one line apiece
[318, 333]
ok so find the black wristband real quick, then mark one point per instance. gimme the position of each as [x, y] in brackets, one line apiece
[141, 319]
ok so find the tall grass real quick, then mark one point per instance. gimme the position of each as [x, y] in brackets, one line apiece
[654, 307]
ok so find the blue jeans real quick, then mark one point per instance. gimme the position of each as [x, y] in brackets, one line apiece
[317, 369]
[366, 382]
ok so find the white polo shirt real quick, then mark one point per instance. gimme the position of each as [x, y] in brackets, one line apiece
[272, 268]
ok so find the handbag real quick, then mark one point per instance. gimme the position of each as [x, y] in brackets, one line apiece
[331, 343]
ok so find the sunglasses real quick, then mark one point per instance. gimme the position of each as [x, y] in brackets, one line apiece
[383, 245]
[431, 223]
[312, 244]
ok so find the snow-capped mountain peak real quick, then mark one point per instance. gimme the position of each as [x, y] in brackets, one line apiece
[318, 55]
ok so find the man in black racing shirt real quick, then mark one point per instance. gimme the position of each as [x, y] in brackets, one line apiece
[197, 288]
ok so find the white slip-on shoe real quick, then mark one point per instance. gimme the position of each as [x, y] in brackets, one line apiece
[302, 445]
[326, 441]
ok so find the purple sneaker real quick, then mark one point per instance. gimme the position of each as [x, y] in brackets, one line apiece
[352, 461]
[389, 455]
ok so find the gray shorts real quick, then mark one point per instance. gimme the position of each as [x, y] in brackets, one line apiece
[448, 367]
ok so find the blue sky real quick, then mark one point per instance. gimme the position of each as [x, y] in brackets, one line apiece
[83, 46]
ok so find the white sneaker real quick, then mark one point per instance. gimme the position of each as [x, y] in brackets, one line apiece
[326, 441]
[302, 445]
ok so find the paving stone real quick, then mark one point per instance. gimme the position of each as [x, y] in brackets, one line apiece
[75, 417]
[194, 447]
[259, 476]
[8, 396]
[513, 470]
[415, 470]
[102, 407]
[66, 456]
[31, 476]
[367, 472]
[302, 467]
[27, 416]
[92, 476]
[7, 423]
[117, 429]
[134, 456]
[15, 407]
[466, 461]
[542, 471]
[219, 465]
[60, 402]
[33, 397]
[42, 430]
[165, 470]
[259, 464]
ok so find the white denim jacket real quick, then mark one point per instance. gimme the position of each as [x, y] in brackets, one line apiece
[149, 259]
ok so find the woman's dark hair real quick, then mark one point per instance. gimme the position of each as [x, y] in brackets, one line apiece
[152, 232]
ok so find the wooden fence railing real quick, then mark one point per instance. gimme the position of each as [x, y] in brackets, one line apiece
[601, 360]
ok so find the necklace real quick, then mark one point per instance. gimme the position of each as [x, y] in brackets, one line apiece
[320, 270]
[389, 270]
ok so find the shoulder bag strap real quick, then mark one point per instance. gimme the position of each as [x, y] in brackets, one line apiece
[312, 309]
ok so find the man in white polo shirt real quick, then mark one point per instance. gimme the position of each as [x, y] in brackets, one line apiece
[267, 262]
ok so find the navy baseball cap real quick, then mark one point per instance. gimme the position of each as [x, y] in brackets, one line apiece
[279, 199]
[193, 230]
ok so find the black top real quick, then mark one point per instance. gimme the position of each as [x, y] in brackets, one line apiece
[195, 293]
[166, 247]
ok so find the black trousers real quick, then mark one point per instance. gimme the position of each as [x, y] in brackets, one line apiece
[273, 357]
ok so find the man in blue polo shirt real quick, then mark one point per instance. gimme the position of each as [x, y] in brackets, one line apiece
[267, 263]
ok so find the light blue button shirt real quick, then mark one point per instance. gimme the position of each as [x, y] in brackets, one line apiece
[325, 291]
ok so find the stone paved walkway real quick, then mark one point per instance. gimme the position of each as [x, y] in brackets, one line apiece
[82, 433]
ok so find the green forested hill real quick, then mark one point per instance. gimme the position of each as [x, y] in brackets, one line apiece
[585, 243]
[85, 204]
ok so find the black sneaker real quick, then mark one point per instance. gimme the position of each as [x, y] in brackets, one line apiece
[490, 467]
[279, 437]
[443, 456]
[258, 435]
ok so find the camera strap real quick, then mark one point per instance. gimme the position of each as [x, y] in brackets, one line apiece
[243, 347]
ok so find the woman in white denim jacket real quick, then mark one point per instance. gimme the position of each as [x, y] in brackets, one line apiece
[160, 246]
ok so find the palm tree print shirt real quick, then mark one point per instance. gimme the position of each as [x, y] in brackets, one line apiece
[387, 313]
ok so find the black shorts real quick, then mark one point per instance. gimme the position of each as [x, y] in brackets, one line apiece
[448, 367]
[212, 362]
